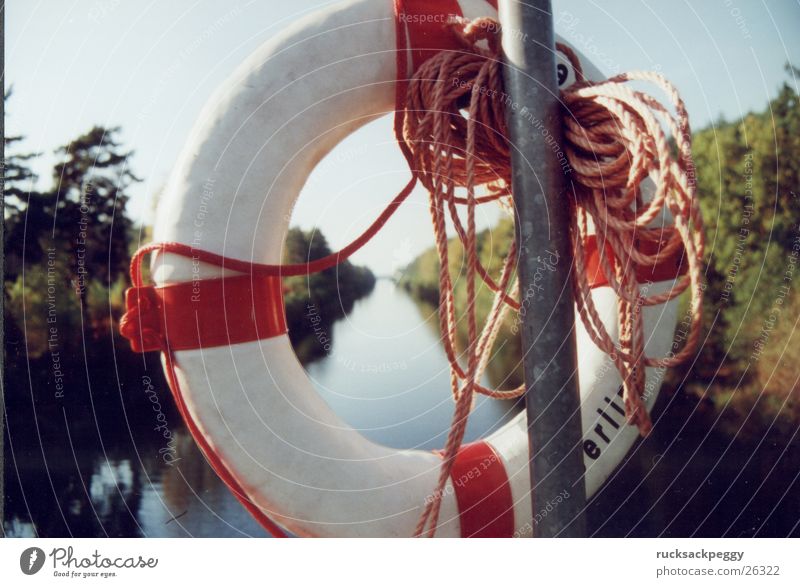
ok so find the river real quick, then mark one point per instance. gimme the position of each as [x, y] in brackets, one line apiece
[89, 464]
[386, 375]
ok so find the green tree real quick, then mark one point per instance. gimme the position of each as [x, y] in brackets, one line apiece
[749, 184]
[88, 204]
[65, 242]
[18, 180]
[18, 193]
[329, 294]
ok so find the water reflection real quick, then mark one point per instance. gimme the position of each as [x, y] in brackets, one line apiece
[93, 465]
[120, 499]
[387, 375]
[96, 468]
[188, 499]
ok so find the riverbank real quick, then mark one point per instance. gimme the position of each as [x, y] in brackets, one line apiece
[99, 464]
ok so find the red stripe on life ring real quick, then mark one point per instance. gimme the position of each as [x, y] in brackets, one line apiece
[203, 314]
[666, 269]
[483, 493]
[427, 24]
[421, 26]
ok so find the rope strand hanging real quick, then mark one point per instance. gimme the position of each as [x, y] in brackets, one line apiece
[454, 129]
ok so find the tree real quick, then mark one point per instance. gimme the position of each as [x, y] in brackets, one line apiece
[749, 186]
[327, 295]
[18, 193]
[88, 205]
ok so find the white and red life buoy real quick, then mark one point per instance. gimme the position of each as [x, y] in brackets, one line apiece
[237, 381]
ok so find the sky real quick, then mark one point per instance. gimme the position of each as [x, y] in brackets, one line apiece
[149, 67]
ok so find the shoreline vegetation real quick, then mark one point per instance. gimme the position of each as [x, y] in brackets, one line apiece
[67, 251]
[314, 302]
[420, 279]
[54, 335]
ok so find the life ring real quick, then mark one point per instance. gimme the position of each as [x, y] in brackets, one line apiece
[245, 396]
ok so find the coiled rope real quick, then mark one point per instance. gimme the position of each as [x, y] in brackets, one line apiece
[454, 127]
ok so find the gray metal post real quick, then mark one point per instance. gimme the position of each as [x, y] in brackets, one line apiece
[2, 273]
[544, 267]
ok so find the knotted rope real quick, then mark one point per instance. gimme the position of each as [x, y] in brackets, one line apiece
[454, 127]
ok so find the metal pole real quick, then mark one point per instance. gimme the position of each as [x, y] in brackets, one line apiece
[545, 264]
[2, 300]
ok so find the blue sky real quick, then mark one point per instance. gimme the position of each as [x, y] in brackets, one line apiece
[149, 67]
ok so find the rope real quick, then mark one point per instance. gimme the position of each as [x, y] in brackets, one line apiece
[454, 128]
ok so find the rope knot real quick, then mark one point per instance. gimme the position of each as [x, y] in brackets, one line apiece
[141, 323]
[481, 35]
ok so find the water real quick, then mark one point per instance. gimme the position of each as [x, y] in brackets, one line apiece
[96, 469]
[387, 375]
[92, 463]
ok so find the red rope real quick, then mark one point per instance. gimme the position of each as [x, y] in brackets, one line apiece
[213, 459]
[265, 269]
[613, 142]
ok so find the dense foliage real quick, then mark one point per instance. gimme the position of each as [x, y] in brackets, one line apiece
[319, 299]
[749, 181]
[68, 249]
